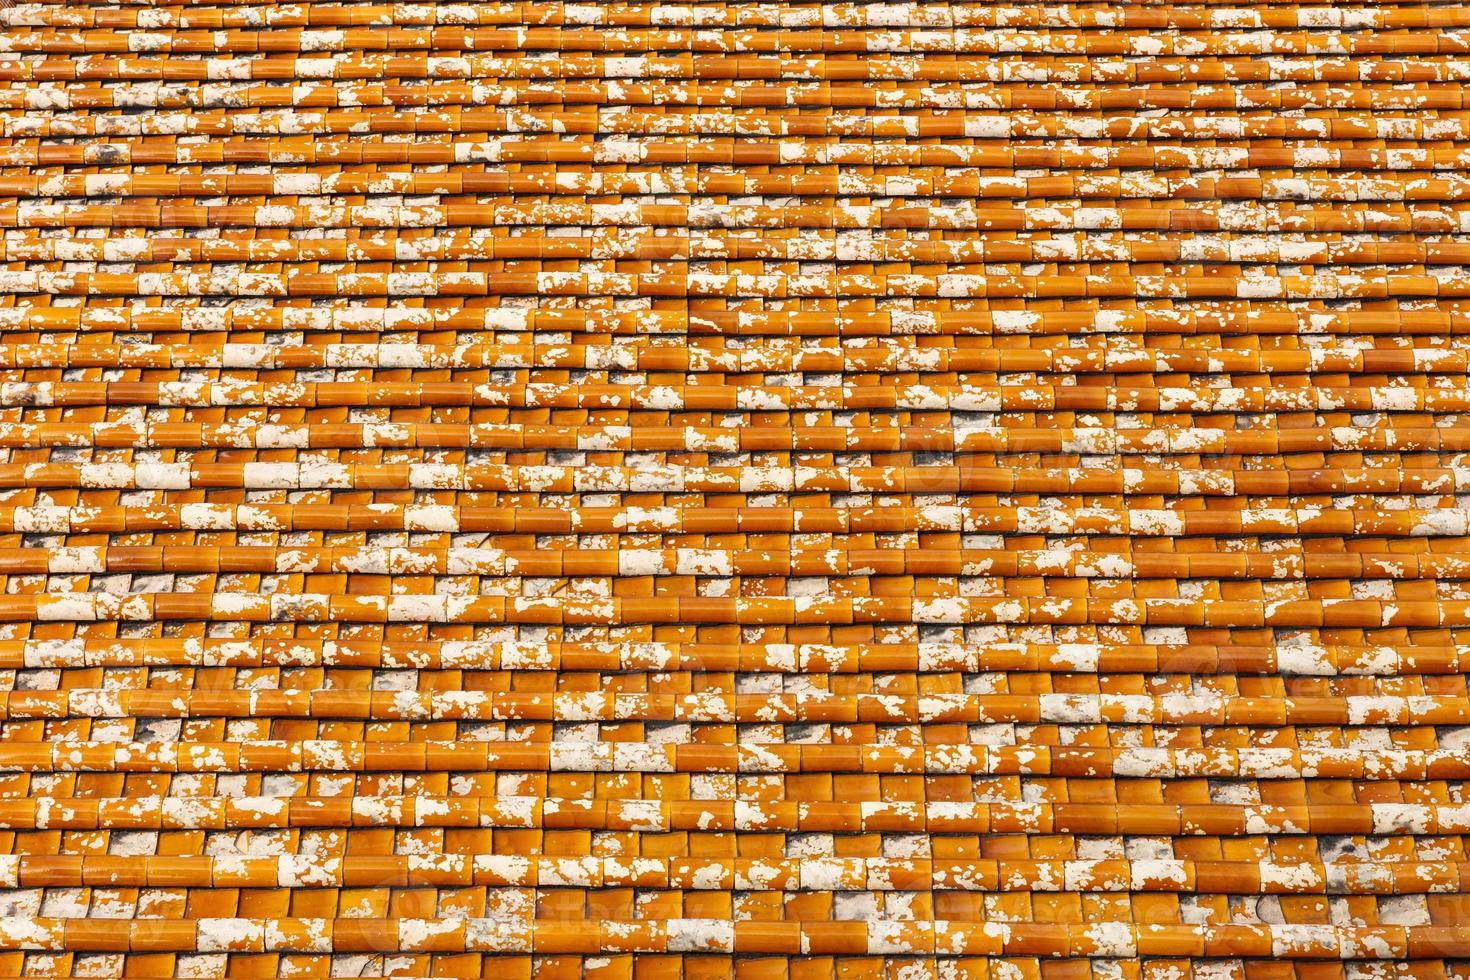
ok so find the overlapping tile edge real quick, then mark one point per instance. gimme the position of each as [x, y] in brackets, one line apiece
[762, 490]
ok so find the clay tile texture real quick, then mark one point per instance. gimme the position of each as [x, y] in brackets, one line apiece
[735, 490]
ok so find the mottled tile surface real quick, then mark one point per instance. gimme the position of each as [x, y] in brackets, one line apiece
[767, 491]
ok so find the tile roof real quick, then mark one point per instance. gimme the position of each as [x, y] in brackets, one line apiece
[774, 491]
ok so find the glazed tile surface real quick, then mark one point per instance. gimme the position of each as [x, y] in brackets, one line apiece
[769, 491]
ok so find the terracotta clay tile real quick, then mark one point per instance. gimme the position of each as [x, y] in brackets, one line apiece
[733, 491]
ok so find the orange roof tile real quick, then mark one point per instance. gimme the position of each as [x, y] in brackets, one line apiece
[768, 491]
